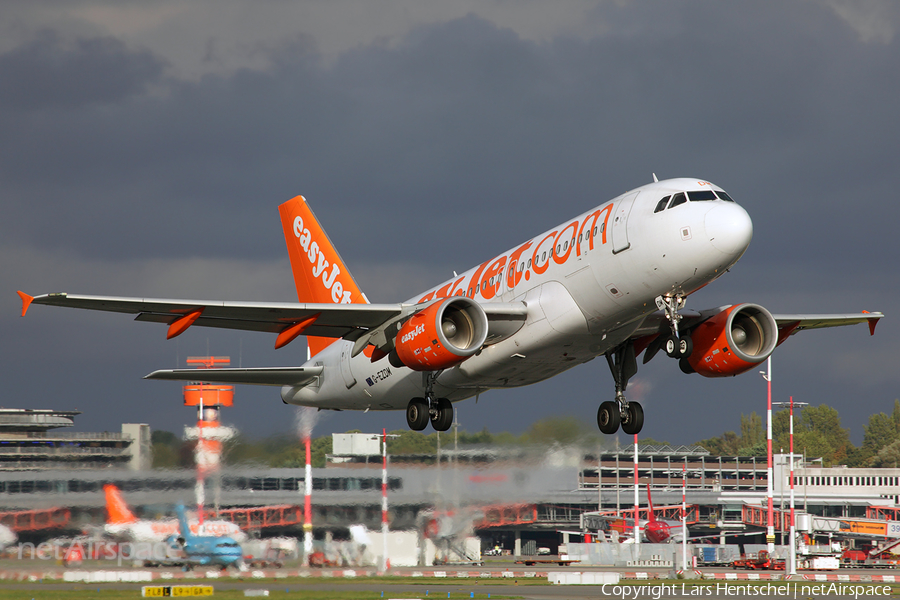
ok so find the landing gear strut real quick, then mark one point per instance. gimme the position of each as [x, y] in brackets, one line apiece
[676, 346]
[438, 411]
[630, 415]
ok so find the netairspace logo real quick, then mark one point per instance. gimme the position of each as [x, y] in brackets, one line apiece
[125, 551]
[794, 590]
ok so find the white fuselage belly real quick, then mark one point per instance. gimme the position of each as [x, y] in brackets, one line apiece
[582, 301]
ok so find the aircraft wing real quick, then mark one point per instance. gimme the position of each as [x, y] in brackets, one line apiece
[287, 319]
[652, 332]
[334, 320]
[800, 322]
[254, 376]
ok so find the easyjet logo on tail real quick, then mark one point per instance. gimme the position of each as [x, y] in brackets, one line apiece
[319, 273]
[320, 264]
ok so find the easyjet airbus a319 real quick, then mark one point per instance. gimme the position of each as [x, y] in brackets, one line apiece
[609, 282]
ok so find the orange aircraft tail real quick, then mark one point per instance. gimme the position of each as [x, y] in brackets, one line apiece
[116, 508]
[319, 272]
[651, 516]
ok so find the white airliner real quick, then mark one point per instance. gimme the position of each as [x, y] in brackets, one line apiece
[610, 282]
[122, 524]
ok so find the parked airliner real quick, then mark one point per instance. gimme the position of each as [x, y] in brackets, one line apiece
[203, 550]
[121, 523]
[612, 281]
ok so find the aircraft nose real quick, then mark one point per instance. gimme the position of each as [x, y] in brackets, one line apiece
[729, 228]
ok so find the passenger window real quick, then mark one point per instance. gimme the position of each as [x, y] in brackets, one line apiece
[579, 238]
[677, 199]
[544, 256]
[595, 231]
[661, 205]
[566, 246]
[529, 263]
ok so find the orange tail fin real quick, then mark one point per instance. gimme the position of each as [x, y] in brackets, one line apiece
[651, 516]
[319, 272]
[116, 508]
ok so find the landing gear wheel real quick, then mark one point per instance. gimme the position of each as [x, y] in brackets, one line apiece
[417, 414]
[672, 348]
[685, 346]
[608, 417]
[442, 417]
[633, 419]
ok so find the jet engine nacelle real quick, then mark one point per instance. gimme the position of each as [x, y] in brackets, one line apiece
[442, 335]
[733, 341]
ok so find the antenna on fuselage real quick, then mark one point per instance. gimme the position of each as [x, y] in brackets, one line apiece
[655, 180]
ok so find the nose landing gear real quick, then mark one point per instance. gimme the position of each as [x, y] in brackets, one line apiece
[677, 346]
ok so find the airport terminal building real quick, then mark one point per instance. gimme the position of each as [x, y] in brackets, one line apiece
[518, 500]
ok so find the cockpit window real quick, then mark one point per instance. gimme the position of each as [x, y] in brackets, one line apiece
[661, 205]
[724, 196]
[702, 195]
[677, 199]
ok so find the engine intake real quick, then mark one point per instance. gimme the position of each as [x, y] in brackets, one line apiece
[733, 341]
[442, 335]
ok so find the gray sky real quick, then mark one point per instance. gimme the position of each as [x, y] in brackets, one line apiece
[146, 147]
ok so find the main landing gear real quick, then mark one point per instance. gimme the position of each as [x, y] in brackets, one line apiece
[621, 412]
[623, 364]
[438, 411]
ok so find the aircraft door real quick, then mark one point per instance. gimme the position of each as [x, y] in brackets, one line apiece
[346, 373]
[620, 241]
[508, 276]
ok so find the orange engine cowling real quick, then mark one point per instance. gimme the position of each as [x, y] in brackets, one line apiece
[442, 335]
[733, 341]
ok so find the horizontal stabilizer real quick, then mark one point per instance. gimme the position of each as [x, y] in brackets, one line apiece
[256, 376]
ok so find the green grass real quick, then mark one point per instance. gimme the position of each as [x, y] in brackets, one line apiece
[105, 594]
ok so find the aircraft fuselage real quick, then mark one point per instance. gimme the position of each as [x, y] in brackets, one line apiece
[587, 285]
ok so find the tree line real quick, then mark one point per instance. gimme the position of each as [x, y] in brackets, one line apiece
[817, 434]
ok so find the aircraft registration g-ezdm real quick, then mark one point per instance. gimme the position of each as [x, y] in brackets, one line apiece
[610, 282]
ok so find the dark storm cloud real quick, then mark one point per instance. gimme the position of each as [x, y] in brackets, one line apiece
[49, 73]
[460, 138]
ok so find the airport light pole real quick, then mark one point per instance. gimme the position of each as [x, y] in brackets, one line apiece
[385, 563]
[684, 563]
[384, 504]
[637, 521]
[307, 503]
[770, 527]
[792, 566]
